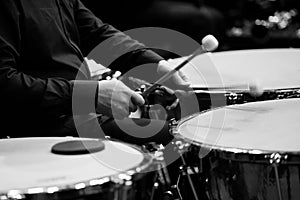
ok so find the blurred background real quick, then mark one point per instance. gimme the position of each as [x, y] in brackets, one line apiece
[237, 24]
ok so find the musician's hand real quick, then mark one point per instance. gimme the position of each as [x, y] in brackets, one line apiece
[116, 100]
[177, 81]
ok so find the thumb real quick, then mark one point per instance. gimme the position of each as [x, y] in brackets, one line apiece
[183, 77]
[137, 99]
[180, 82]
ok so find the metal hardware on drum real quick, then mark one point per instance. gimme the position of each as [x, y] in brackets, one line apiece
[275, 160]
[157, 152]
[162, 179]
[181, 147]
[172, 125]
[185, 170]
[240, 96]
[188, 169]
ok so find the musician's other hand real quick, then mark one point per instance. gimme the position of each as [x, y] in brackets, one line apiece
[177, 81]
[116, 100]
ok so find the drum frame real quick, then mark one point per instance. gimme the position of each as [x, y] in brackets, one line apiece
[238, 154]
[117, 186]
[272, 158]
[237, 96]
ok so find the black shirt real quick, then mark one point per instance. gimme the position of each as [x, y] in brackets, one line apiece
[42, 46]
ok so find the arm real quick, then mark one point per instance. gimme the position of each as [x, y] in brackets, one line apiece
[51, 96]
[106, 44]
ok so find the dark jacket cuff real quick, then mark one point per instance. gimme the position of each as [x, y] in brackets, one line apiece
[84, 97]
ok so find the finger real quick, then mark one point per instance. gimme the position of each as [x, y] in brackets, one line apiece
[168, 90]
[183, 79]
[183, 76]
[179, 82]
[119, 116]
[121, 113]
[183, 93]
[137, 99]
[132, 107]
[173, 105]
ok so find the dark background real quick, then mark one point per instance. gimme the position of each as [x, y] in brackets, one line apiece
[233, 22]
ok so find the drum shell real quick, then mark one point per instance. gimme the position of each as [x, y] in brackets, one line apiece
[139, 188]
[135, 183]
[236, 176]
[246, 180]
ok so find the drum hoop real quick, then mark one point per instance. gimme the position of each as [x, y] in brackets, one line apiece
[260, 155]
[218, 90]
[88, 187]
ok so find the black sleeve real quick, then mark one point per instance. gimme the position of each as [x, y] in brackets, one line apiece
[18, 90]
[105, 44]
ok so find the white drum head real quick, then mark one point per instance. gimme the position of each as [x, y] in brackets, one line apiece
[28, 166]
[268, 126]
[271, 68]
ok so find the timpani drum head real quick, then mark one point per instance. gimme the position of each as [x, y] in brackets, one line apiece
[271, 68]
[28, 166]
[267, 126]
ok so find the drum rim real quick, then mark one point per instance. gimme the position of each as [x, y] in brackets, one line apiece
[202, 89]
[226, 149]
[90, 186]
